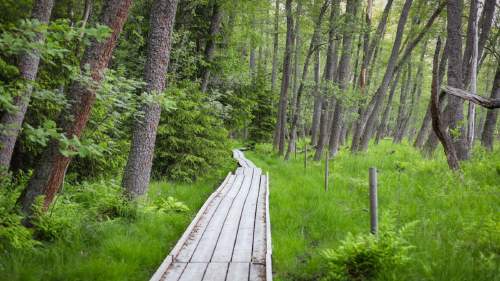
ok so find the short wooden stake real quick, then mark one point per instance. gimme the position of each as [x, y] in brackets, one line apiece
[326, 170]
[295, 150]
[373, 201]
[305, 156]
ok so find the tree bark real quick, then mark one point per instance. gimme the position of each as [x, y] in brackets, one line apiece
[343, 75]
[391, 65]
[329, 73]
[138, 169]
[317, 101]
[215, 23]
[382, 128]
[28, 68]
[488, 135]
[49, 174]
[402, 105]
[485, 24]
[280, 130]
[297, 106]
[275, 45]
[437, 124]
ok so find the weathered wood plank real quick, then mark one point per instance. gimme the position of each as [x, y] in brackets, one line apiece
[244, 241]
[238, 271]
[225, 244]
[259, 239]
[174, 271]
[187, 248]
[269, 249]
[216, 271]
[257, 272]
[193, 272]
[208, 241]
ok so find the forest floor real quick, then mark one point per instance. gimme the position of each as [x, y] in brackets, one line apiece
[451, 224]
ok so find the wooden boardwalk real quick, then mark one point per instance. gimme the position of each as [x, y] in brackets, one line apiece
[230, 237]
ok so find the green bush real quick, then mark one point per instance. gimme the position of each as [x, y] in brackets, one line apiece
[191, 138]
[366, 257]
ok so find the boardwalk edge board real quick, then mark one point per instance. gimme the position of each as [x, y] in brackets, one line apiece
[236, 268]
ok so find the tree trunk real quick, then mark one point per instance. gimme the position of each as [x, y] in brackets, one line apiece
[488, 136]
[49, 174]
[215, 23]
[343, 75]
[138, 169]
[297, 106]
[471, 72]
[28, 68]
[391, 64]
[329, 73]
[275, 45]
[437, 123]
[317, 101]
[282, 110]
[402, 105]
[485, 24]
[382, 128]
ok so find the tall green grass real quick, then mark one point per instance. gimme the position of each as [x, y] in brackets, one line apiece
[122, 247]
[457, 235]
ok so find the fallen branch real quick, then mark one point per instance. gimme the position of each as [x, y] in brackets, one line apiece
[479, 100]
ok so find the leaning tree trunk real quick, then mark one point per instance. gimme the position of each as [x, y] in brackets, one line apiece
[313, 45]
[343, 75]
[28, 67]
[488, 136]
[329, 73]
[49, 174]
[138, 169]
[485, 24]
[215, 23]
[382, 128]
[281, 123]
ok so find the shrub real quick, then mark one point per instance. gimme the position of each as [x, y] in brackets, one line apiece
[366, 257]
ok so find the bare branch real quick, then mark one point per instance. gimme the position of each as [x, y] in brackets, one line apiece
[479, 100]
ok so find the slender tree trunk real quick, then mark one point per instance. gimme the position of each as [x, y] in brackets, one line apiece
[343, 75]
[382, 128]
[296, 52]
[28, 68]
[215, 23]
[317, 102]
[329, 73]
[471, 70]
[49, 174]
[488, 135]
[402, 105]
[297, 107]
[485, 24]
[275, 45]
[140, 160]
[282, 110]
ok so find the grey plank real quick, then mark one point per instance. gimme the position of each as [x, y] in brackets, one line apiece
[259, 238]
[257, 272]
[193, 272]
[174, 271]
[216, 272]
[225, 244]
[238, 271]
[187, 250]
[207, 243]
[244, 240]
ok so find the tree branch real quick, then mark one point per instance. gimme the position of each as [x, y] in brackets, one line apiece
[479, 100]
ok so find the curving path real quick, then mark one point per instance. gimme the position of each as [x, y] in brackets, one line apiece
[230, 237]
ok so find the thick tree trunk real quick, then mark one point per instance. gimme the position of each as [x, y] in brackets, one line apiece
[454, 110]
[391, 64]
[343, 75]
[138, 169]
[215, 23]
[49, 174]
[382, 128]
[297, 106]
[329, 73]
[488, 135]
[275, 45]
[281, 124]
[437, 123]
[28, 68]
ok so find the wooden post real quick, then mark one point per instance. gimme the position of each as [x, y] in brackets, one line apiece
[373, 201]
[305, 156]
[326, 170]
[295, 150]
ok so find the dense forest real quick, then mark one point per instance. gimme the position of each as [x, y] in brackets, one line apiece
[118, 119]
